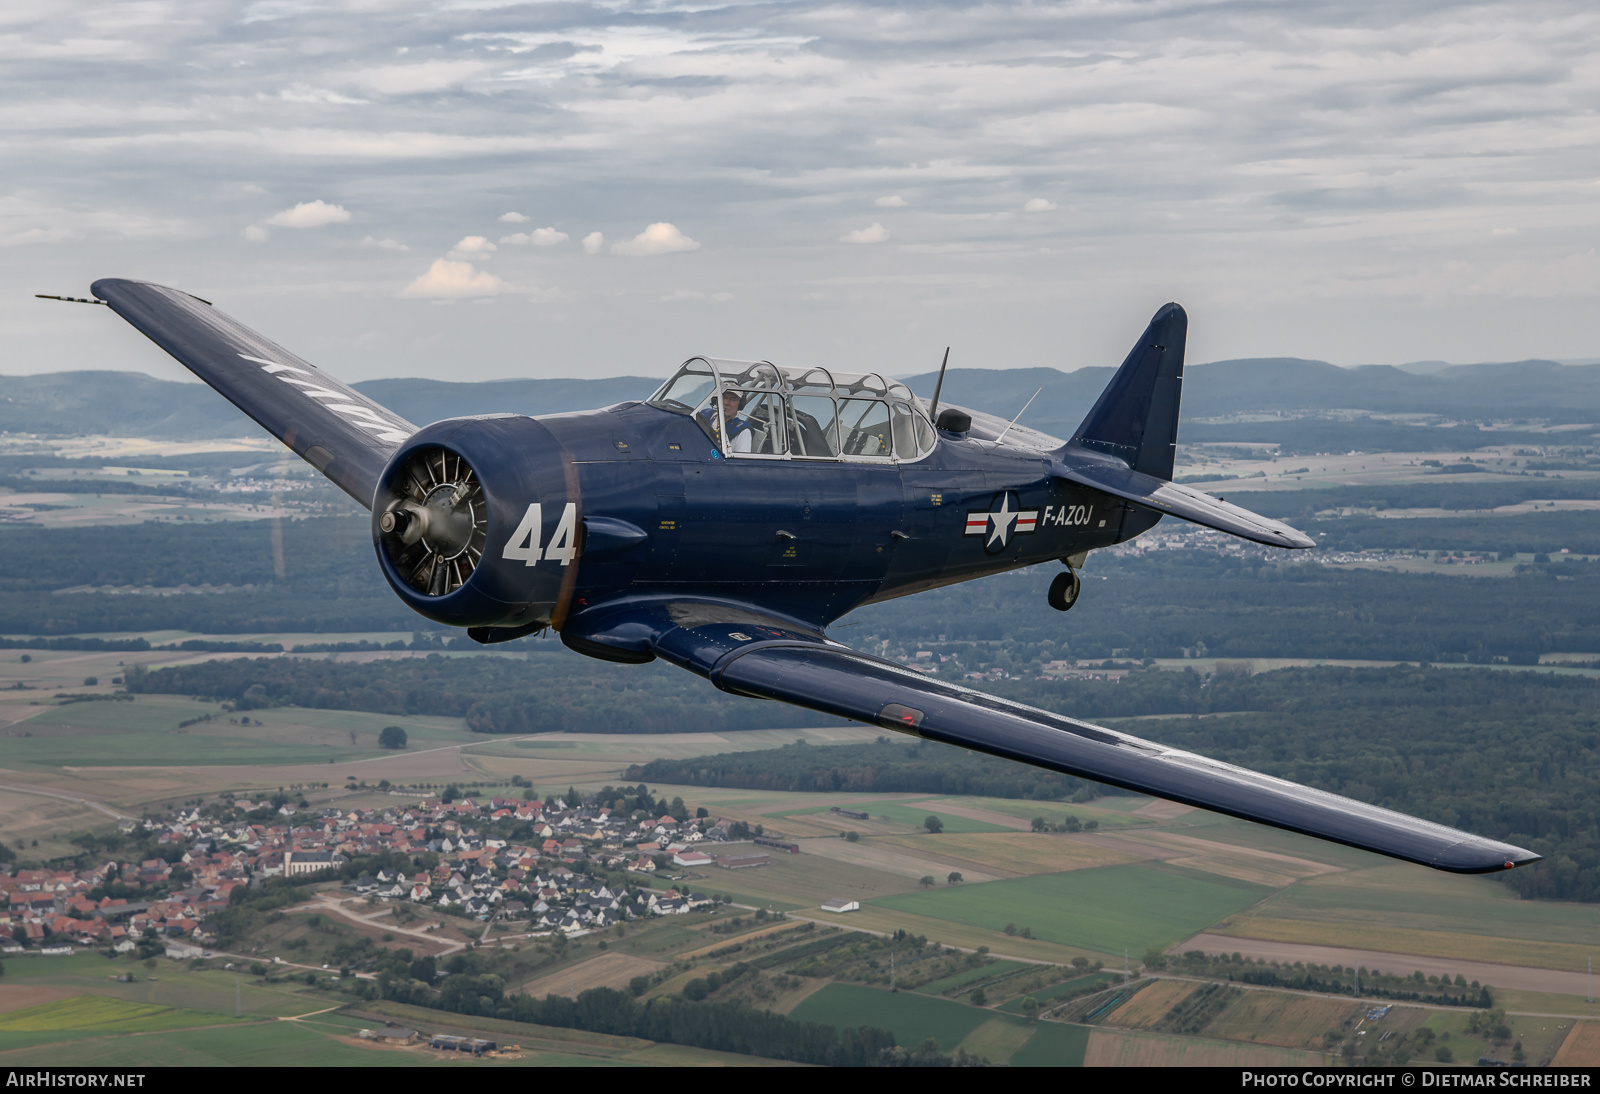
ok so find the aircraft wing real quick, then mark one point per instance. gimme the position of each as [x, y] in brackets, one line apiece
[840, 681]
[1191, 505]
[334, 428]
[743, 652]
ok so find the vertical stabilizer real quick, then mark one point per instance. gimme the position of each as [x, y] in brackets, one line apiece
[1136, 417]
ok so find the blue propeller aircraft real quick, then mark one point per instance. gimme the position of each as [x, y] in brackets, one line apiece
[725, 522]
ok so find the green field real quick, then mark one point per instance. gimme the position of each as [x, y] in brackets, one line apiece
[276, 1044]
[1106, 909]
[1408, 897]
[96, 1012]
[148, 733]
[1077, 985]
[179, 1016]
[968, 976]
[914, 1018]
[1053, 1045]
[910, 814]
[1109, 812]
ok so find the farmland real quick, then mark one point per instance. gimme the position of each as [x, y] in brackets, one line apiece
[1150, 877]
[1107, 909]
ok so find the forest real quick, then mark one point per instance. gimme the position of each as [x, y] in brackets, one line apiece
[321, 577]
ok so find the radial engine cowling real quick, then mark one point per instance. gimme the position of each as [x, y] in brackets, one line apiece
[476, 523]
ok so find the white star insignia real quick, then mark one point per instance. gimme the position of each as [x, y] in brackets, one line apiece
[1001, 522]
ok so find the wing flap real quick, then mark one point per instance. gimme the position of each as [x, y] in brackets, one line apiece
[835, 680]
[331, 426]
[1188, 504]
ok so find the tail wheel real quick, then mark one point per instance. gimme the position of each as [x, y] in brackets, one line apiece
[1064, 590]
[434, 525]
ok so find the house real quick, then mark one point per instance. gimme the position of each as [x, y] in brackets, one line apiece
[841, 905]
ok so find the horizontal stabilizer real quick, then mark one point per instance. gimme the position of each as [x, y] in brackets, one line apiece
[337, 430]
[1191, 505]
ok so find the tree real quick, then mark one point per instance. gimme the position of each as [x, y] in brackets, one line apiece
[1039, 824]
[979, 999]
[1030, 1008]
[926, 881]
[852, 836]
[955, 878]
[933, 824]
[392, 737]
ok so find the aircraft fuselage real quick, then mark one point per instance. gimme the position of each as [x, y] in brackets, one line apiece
[818, 538]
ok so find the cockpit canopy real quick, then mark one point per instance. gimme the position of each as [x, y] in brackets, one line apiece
[758, 409]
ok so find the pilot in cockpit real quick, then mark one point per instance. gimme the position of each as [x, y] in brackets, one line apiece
[739, 436]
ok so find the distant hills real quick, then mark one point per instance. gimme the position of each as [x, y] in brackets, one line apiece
[133, 404]
[1522, 389]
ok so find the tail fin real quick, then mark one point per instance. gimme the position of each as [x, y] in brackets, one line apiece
[1136, 417]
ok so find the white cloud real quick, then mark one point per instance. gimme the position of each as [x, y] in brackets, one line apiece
[453, 280]
[683, 295]
[658, 239]
[539, 237]
[411, 79]
[1038, 205]
[25, 220]
[256, 234]
[309, 214]
[384, 244]
[512, 218]
[593, 242]
[893, 202]
[473, 247]
[877, 233]
[305, 93]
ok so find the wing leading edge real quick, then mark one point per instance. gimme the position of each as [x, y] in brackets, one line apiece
[744, 652]
[843, 682]
[334, 428]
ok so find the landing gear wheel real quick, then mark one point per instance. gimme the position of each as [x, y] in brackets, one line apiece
[1064, 591]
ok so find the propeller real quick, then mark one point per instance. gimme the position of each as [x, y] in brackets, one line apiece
[435, 523]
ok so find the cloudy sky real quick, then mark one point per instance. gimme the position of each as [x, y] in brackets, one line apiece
[477, 190]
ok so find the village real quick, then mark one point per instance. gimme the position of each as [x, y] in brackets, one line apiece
[549, 882]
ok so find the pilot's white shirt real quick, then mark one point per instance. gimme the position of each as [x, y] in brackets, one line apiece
[741, 440]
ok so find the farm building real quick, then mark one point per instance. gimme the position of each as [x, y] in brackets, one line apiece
[741, 862]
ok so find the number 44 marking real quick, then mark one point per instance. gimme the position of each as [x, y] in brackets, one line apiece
[525, 546]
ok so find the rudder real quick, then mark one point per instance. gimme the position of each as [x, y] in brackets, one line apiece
[1136, 416]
